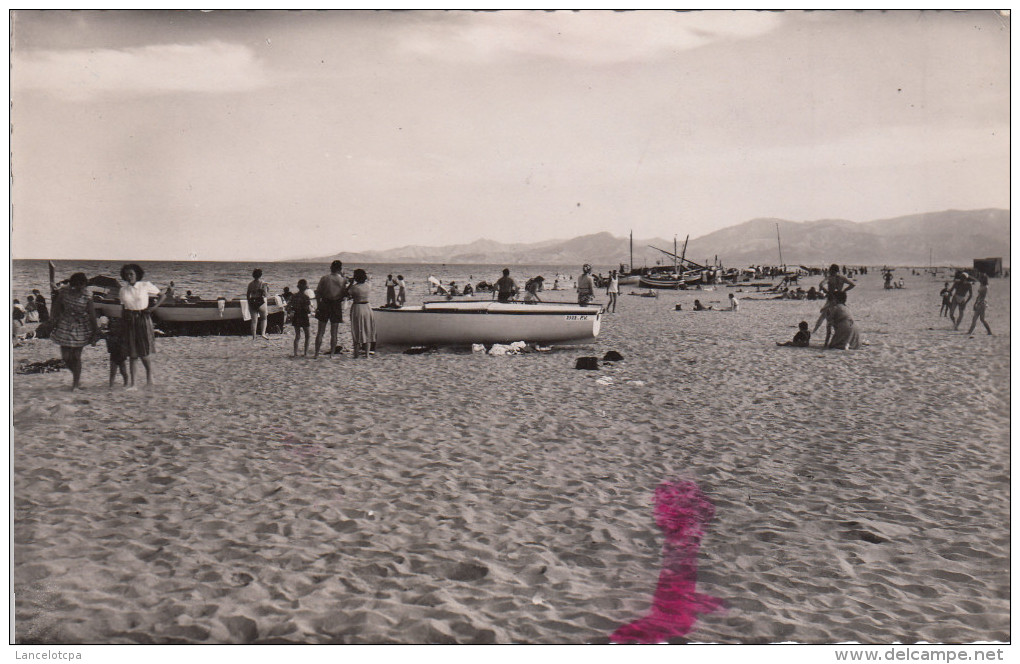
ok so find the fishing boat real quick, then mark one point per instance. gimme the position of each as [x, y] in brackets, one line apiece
[663, 281]
[462, 323]
[209, 316]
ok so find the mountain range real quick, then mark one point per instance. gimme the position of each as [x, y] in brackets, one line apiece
[950, 237]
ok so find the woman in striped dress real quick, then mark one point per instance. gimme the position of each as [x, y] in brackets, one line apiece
[136, 319]
[75, 325]
[362, 323]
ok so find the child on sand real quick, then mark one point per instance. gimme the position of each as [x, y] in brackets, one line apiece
[947, 300]
[802, 339]
[300, 309]
[118, 358]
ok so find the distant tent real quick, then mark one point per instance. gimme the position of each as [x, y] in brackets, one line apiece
[990, 266]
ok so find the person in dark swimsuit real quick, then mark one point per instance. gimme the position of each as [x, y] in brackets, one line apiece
[258, 304]
[300, 307]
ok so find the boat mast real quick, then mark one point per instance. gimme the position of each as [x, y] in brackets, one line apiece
[780, 241]
[631, 266]
[675, 271]
[684, 252]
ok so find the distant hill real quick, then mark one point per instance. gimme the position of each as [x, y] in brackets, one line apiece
[955, 237]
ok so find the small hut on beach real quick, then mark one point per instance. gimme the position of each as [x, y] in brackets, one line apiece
[990, 266]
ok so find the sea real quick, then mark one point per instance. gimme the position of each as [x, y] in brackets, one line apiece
[213, 279]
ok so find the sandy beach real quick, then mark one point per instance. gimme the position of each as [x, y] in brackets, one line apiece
[860, 496]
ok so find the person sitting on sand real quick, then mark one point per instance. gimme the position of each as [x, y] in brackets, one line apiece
[734, 303]
[40, 306]
[31, 312]
[468, 290]
[812, 294]
[17, 320]
[802, 339]
[453, 289]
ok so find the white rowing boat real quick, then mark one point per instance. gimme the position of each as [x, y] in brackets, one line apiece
[462, 323]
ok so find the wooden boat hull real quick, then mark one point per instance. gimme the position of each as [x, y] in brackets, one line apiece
[662, 283]
[463, 323]
[202, 317]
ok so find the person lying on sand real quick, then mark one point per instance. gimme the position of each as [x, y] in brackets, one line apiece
[802, 339]
[698, 306]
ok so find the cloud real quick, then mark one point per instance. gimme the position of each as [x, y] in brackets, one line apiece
[585, 36]
[158, 69]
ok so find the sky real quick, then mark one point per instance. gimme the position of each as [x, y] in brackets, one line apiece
[267, 135]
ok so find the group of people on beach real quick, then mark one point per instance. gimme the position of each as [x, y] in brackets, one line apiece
[73, 324]
[956, 296]
[840, 330]
[33, 311]
[326, 304]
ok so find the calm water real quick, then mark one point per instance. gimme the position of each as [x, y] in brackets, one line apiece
[215, 279]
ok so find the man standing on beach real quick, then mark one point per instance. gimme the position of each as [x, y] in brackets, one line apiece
[585, 286]
[505, 286]
[962, 293]
[330, 295]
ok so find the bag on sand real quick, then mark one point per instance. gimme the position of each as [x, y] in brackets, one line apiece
[589, 363]
[612, 356]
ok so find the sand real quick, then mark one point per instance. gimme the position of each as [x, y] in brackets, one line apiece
[455, 498]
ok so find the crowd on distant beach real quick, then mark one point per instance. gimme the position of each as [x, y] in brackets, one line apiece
[73, 322]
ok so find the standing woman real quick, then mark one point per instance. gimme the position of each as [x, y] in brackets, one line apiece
[402, 290]
[74, 324]
[980, 304]
[362, 324]
[613, 290]
[136, 319]
[258, 303]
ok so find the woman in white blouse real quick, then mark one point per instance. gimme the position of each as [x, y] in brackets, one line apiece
[136, 320]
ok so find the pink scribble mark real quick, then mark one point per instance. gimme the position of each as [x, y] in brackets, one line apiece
[681, 512]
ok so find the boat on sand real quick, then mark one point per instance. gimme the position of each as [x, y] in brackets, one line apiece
[462, 323]
[221, 316]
